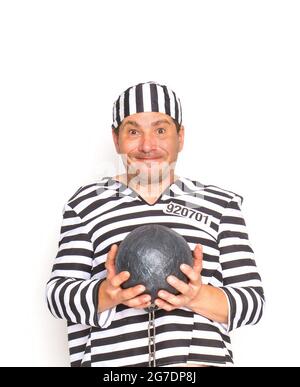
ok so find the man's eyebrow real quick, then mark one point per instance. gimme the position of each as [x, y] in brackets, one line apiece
[133, 123]
[161, 122]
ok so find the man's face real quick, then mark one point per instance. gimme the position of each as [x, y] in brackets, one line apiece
[149, 145]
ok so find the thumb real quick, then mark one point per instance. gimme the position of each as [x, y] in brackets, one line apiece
[110, 261]
[198, 257]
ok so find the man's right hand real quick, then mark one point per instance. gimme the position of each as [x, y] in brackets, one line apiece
[110, 291]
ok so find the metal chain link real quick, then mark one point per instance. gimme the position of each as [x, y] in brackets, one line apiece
[151, 336]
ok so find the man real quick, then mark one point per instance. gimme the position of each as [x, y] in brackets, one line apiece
[108, 325]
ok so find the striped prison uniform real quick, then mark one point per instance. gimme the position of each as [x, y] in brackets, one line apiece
[103, 213]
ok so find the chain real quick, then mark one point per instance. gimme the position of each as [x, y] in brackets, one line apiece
[151, 336]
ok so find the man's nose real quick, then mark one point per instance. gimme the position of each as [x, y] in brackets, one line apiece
[147, 143]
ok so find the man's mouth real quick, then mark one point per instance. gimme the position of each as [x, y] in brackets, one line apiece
[147, 158]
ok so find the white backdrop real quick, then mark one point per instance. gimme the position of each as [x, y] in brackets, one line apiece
[235, 67]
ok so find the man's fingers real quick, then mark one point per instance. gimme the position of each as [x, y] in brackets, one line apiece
[138, 305]
[142, 301]
[130, 293]
[164, 305]
[179, 285]
[192, 274]
[118, 279]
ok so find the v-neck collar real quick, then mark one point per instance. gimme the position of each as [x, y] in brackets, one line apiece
[133, 193]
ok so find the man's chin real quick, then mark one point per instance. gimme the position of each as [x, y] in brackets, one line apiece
[146, 174]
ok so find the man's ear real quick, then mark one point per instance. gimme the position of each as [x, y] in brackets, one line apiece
[181, 137]
[116, 140]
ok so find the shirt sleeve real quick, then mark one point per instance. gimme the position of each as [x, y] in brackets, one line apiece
[241, 281]
[71, 293]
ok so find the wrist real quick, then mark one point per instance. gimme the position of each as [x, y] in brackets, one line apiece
[195, 303]
[103, 298]
[211, 303]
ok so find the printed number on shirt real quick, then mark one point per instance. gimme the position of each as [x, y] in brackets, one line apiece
[185, 212]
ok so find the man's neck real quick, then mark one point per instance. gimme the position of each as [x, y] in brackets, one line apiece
[150, 190]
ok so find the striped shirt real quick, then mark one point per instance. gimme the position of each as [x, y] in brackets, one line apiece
[103, 213]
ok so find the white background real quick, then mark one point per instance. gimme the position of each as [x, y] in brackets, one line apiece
[235, 67]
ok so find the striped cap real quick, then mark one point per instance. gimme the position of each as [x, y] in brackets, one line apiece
[147, 97]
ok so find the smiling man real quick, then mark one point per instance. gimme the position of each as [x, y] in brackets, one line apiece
[108, 325]
[149, 144]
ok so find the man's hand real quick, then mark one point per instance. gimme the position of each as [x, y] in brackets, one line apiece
[110, 291]
[188, 292]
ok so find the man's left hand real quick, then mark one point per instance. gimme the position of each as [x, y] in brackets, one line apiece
[188, 291]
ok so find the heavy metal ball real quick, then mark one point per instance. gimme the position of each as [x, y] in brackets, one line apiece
[151, 253]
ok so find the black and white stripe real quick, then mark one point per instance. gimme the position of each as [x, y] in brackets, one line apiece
[103, 213]
[147, 97]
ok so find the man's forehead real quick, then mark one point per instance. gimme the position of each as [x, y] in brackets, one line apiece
[152, 118]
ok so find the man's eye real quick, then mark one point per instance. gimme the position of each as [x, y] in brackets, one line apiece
[161, 130]
[132, 131]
